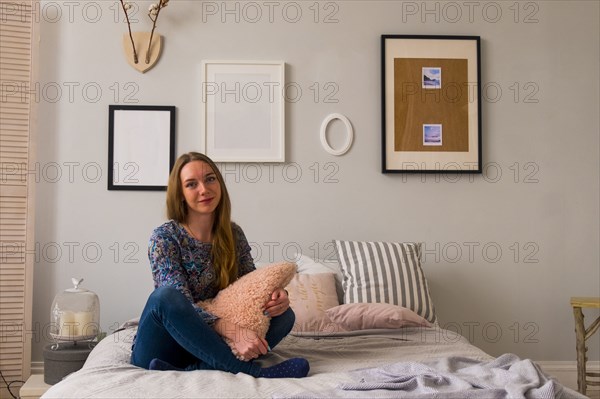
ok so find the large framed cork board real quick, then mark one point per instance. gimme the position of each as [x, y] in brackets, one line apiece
[431, 96]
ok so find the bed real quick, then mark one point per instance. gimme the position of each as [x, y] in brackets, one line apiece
[333, 359]
[367, 326]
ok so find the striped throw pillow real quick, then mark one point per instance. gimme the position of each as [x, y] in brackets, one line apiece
[381, 272]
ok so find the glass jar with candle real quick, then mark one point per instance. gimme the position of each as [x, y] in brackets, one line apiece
[75, 314]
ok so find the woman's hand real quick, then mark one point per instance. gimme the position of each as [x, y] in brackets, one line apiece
[278, 304]
[246, 342]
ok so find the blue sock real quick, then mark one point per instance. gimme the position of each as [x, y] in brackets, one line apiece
[292, 368]
[157, 364]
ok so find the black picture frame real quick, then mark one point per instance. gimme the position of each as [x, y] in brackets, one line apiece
[141, 146]
[431, 104]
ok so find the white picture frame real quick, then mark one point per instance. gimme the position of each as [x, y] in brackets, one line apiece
[243, 110]
[349, 134]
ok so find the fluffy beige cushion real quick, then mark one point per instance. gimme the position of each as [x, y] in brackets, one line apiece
[243, 301]
[310, 296]
[364, 316]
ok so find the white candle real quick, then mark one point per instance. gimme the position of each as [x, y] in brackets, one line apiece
[83, 323]
[67, 326]
[75, 324]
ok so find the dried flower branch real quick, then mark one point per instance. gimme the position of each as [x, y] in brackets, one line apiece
[126, 8]
[153, 13]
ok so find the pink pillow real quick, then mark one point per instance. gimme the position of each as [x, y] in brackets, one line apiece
[310, 296]
[242, 302]
[364, 316]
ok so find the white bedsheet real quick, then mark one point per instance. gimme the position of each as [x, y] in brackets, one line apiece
[108, 374]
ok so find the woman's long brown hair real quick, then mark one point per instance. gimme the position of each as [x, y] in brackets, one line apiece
[223, 245]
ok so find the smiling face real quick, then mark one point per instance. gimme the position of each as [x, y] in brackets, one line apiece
[201, 188]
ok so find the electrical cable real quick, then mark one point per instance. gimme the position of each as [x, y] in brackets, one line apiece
[8, 384]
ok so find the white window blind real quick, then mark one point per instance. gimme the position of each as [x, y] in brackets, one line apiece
[17, 59]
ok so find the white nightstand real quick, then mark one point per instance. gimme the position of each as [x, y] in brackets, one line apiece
[34, 387]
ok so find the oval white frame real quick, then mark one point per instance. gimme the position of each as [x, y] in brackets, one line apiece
[349, 134]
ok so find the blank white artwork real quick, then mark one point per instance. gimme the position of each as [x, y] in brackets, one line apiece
[242, 120]
[141, 148]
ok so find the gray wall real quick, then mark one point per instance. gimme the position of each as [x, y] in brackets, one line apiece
[538, 202]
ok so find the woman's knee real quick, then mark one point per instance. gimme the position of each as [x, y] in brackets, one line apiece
[280, 327]
[167, 295]
[286, 320]
[290, 316]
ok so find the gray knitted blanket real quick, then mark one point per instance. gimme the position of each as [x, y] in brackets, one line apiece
[452, 378]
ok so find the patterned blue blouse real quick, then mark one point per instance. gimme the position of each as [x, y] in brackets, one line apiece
[179, 260]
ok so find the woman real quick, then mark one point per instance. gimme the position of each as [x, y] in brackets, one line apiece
[198, 252]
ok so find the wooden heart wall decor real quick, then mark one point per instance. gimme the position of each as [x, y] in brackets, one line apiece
[142, 49]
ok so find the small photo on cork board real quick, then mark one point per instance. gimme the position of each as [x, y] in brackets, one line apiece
[431, 114]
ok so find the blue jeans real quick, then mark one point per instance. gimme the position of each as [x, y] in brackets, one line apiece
[172, 331]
